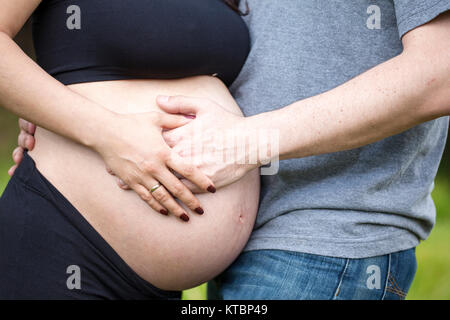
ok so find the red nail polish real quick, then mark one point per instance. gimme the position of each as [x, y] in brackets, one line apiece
[164, 212]
[199, 210]
[211, 189]
[184, 217]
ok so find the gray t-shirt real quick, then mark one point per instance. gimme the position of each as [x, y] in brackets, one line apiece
[364, 202]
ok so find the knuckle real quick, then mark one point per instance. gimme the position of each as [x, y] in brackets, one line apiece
[149, 167]
[152, 203]
[189, 170]
[162, 196]
[162, 154]
[129, 182]
[172, 138]
[145, 196]
[157, 195]
[178, 188]
[20, 138]
[192, 202]
[167, 137]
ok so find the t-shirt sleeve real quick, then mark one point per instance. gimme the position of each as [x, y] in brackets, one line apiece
[414, 13]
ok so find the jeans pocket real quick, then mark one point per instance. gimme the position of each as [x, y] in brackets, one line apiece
[393, 288]
[402, 269]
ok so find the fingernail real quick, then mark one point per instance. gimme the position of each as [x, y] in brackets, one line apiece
[211, 189]
[163, 98]
[189, 116]
[199, 210]
[184, 217]
[164, 212]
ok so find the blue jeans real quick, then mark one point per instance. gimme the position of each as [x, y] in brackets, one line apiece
[277, 274]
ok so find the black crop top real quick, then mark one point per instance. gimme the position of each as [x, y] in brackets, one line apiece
[98, 40]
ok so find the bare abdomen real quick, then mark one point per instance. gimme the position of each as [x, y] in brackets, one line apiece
[170, 254]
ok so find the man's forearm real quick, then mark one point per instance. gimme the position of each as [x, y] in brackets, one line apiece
[386, 100]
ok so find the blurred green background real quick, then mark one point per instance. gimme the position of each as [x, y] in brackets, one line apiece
[432, 280]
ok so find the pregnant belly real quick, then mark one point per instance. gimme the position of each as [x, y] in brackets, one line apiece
[168, 253]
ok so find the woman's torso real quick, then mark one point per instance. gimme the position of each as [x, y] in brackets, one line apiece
[118, 41]
[166, 252]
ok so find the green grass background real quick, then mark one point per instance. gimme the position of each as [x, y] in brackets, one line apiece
[432, 280]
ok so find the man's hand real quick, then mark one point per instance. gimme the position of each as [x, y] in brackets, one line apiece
[405, 91]
[218, 142]
[25, 141]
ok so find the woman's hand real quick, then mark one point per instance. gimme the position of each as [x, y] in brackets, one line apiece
[26, 141]
[133, 148]
[144, 132]
[221, 144]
